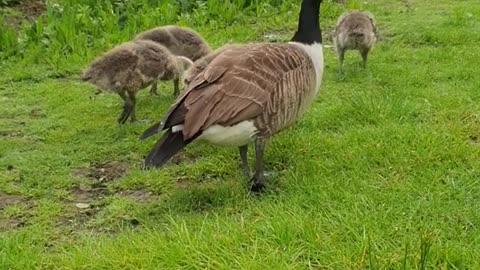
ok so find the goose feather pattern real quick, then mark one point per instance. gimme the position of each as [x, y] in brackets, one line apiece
[269, 84]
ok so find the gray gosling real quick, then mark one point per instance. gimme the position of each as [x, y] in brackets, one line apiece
[132, 66]
[178, 40]
[354, 31]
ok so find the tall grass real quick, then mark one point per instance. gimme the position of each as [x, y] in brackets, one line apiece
[71, 31]
[74, 28]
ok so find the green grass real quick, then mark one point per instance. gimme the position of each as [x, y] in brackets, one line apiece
[382, 173]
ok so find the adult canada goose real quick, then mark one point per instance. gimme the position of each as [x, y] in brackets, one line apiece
[132, 66]
[180, 41]
[354, 31]
[246, 93]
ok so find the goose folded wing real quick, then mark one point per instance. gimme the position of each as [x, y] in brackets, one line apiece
[233, 88]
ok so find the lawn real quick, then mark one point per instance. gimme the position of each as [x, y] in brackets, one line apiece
[382, 173]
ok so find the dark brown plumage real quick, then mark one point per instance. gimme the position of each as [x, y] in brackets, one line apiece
[132, 66]
[250, 82]
[354, 31]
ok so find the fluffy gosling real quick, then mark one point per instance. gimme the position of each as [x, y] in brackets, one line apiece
[354, 31]
[132, 66]
[180, 41]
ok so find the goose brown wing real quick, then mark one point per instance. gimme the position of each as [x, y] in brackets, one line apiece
[236, 86]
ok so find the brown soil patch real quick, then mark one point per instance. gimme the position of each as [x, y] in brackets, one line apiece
[11, 133]
[140, 195]
[90, 197]
[474, 139]
[81, 194]
[182, 157]
[28, 10]
[14, 222]
[7, 199]
[103, 172]
[37, 113]
[32, 9]
[79, 218]
[11, 223]
[184, 181]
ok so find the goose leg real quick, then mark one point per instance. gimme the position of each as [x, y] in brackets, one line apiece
[364, 53]
[176, 89]
[243, 156]
[259, 176]
[153, 90]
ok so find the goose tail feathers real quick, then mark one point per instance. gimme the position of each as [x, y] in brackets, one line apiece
[168, 145]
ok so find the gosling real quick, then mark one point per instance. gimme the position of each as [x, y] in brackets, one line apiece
[132, 66]
[354, 31]
[178, 40]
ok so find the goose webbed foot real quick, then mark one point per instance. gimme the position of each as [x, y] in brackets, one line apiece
[258, 185]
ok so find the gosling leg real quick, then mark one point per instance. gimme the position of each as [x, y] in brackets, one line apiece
[364, 53]
[176, 88]
[153, 90]
[124, 114]
[132, 102]
[341, 57]
[128, 107]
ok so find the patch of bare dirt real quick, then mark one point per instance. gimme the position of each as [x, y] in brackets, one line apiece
[85, 202]
[140, 195]
[184, 181]
[9, 199]
[86, 194]
[11, 133]
[182, 157]
[7, 224]
[79, 217]
[103, 172]
[28, 10]
[474, 139]
[37, 113]
[14, 222]
[83, 205]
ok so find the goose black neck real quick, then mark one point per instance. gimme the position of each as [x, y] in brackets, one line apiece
[309, 31]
